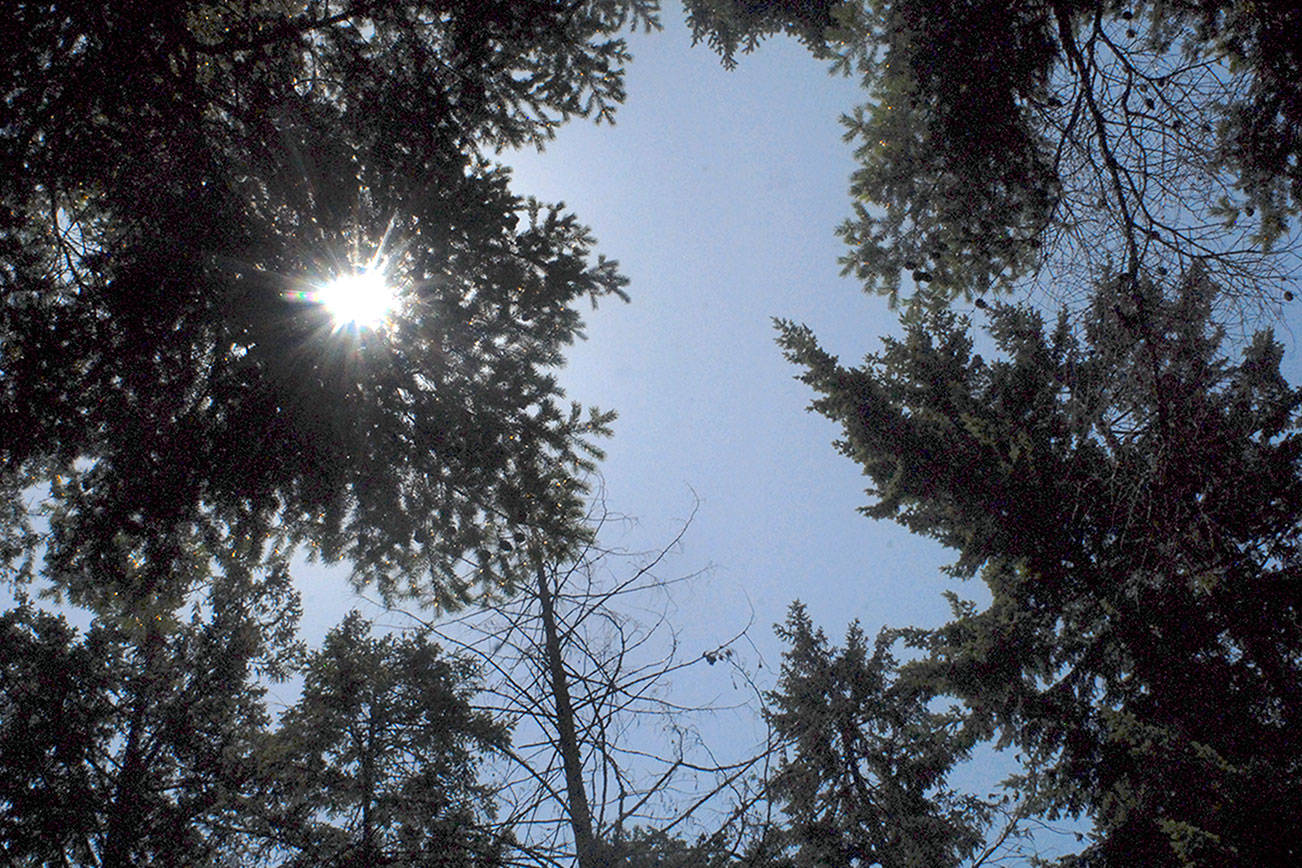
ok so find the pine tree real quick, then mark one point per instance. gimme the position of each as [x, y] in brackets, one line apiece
[178, 178]
[136, 742]
[862, 779]
[377, 762]
[1131, 498]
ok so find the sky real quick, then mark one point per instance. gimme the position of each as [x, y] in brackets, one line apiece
[718, 191]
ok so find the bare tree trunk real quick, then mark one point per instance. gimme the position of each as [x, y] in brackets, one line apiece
[579, 675]
[585, 845]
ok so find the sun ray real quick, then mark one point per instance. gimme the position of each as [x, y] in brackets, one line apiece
[360, 292]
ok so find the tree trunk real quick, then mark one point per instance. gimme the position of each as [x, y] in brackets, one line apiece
[125, 813]
[585, 845]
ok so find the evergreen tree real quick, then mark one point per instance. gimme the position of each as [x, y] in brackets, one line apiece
[376, 763]
[1131, 498]
[176, 178]
[729, 26]
[1059, 138]
[136, 742]
[143, 742]
[652, 848]
[865, 759]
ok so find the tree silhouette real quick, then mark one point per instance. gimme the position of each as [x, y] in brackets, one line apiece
[864, 764]
[177, 178]
[1057, 141]
[136, 742]
[1131, 499]
[606, 764]
[376, 763]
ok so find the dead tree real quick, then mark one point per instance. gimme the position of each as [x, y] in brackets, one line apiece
[581, 671]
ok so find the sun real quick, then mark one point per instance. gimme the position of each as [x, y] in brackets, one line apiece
[358, 292]
[359, 297]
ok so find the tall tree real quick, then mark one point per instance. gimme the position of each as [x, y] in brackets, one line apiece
[1059, 139]
[135, 743]
[177, 181]
[150, 743]
[1128, 494]
[865, 758]
[376, 763]
[1132, 499]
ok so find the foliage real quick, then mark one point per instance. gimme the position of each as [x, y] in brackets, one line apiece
[138, 743]
[376, 763]
[1131, 499]
[652, 848]
[1062, 139]
[135, 743]
[865, 758]
[729, 26]
[177, 175]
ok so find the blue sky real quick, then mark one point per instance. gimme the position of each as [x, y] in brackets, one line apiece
[719, 191]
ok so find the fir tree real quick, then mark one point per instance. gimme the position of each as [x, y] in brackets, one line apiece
[377, 762]
[137, 741]
[1131, 498]
[178, 179]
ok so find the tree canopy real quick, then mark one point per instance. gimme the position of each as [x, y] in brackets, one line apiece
[1059, 140]
[179, 177]
[865, 760]
[180, 183]
[377, 763]
[128, 744]
[1132, 500]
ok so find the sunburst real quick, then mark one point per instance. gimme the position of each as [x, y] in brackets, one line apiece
[359, 293]
[362, 298]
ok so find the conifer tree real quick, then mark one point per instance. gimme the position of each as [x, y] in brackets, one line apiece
[137, 742]
[376, 764]
[862, 779]
[179, 180]
[149, 741]
[1132, 500]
